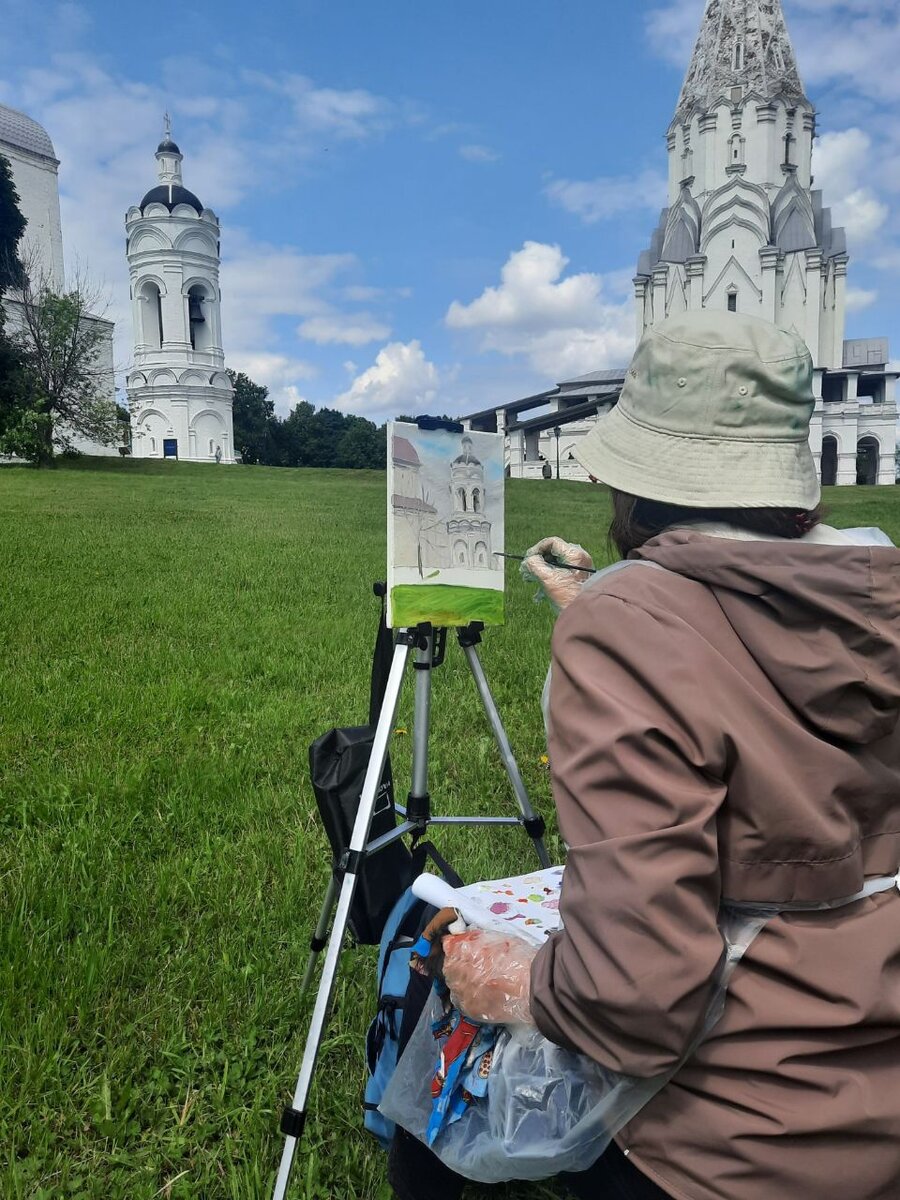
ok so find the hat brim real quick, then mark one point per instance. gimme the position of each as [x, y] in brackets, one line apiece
[699, 472]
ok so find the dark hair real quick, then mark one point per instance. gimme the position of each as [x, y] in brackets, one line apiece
[636, 520]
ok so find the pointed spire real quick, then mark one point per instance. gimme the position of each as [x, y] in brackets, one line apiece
[742, 44]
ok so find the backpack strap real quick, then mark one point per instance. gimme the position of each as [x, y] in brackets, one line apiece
[381, 662]
[425, 851]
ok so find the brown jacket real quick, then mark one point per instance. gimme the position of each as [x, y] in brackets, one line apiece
[729, 728]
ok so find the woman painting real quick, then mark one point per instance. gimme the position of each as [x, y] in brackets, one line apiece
[723, 727]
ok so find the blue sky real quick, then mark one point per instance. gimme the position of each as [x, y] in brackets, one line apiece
[425, 205]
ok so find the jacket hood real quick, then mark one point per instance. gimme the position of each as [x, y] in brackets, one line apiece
[821, 620]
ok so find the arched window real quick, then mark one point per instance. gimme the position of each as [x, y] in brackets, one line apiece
[736, 150]
[476, 500]
[738, 55]
[461, 498]
[212, 448]
[153, 445]
[199, 326]
[151, 315]
[829, 461]
[461, 553]
[732, 302]
[867, 462]
[481, 554]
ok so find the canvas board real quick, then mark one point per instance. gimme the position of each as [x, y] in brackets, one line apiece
[445, 524]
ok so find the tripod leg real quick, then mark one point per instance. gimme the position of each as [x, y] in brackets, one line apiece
[294, 1117]
[534, 824]
[418, 802]
[320, 937]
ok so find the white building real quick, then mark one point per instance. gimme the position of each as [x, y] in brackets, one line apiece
[468, 528]
[744, 231]
[178, 392]
[28, 148]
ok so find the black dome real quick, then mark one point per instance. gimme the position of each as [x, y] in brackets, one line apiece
[171, 194]
[167, 146]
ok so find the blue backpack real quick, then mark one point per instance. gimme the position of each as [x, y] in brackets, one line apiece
[402, 993]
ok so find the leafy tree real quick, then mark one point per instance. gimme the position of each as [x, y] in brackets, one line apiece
[292, 437]
[362, 444]
[253, 414]
[59, 341]
[17, 423]
[325, 429]
[12, 227]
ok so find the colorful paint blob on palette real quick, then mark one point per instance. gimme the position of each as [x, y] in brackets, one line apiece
[528, 904]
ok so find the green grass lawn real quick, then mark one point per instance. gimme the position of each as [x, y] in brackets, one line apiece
[173, 638]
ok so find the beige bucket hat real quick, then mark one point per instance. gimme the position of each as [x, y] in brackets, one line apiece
[714, 413]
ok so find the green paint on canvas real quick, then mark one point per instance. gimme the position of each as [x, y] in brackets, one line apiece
[442, 604]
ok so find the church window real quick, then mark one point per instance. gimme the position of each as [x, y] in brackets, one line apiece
[461, 498]
[732, 301]
[153, 445]
[151, 315]
[739, 56]
[211, 447]
[476, 500]
[199, 326]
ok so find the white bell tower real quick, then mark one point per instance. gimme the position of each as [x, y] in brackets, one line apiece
[178, 392]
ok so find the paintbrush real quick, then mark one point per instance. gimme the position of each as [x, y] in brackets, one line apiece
[551, 561]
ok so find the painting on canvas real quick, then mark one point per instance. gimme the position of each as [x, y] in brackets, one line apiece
[445, 524]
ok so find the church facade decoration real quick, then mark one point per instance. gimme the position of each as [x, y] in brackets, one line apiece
[745, 230]
[179, 394]
[468, 527]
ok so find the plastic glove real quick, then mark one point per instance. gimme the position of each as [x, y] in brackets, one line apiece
[559, 585]
[489, 976]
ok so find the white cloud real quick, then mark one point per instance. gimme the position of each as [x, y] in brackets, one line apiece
[478, 154]
[401, 379]
[348, 329]
[860, 298]
[277, 372]
[840, 161]
[352, 113]
[263, 281]
[608, 196]
[672, 30]
[564, 326]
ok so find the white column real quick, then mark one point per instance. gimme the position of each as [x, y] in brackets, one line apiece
[768, 262]
[660, 287]
[640, 306]
[706, 173]
[174, 310]
[852, 389]
[695, 269]
[840, 309]
[814, 302]
[846, 459]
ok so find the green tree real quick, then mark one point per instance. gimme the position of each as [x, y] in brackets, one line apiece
[362, 444]
[17, 421]
[12, 227]
[325, 430]
[291, 437]
[253, 415]
[59, 341]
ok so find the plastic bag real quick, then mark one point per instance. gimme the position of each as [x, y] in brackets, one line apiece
[547, 1110]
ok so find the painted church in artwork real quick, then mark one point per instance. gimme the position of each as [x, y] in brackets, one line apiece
[745, 230]
[179, 394]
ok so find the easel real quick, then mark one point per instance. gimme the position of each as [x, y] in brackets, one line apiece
[428, 645]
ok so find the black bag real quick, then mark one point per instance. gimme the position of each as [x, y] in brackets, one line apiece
[337, 765]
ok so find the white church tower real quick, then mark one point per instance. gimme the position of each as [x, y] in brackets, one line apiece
[468, 527]
[746, 231]
[178, 392]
